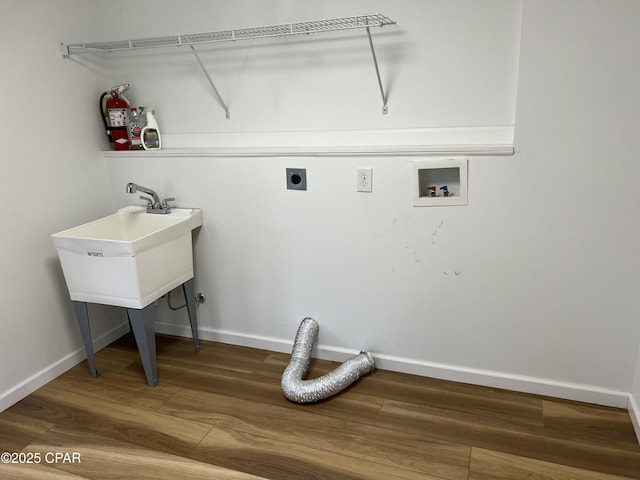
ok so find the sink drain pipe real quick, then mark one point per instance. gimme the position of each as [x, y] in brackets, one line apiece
[307, 391]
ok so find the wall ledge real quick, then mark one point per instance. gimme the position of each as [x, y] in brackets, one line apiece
[457, 141]
[361, 151]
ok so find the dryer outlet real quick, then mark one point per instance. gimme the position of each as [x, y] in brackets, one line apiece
[296, 178]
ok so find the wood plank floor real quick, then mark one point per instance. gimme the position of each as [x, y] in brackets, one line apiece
[220, 414]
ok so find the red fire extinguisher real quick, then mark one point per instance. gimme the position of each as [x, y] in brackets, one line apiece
[114, 115]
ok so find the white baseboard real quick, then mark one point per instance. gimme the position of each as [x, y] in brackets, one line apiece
[488, 378]
[507, 381]
[539, 386]
[37, 380]
[634, 413]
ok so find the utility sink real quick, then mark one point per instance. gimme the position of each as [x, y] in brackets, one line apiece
[130, 258]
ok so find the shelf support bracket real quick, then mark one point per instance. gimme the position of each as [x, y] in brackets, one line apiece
[213, 85]
[64, 50]
[385, 108]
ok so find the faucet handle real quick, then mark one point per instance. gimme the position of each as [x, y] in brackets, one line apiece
[148, 200]
[165, 200]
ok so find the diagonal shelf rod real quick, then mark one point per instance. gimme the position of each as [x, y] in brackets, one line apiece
[213, 85]
[288, 29]
[385, 108]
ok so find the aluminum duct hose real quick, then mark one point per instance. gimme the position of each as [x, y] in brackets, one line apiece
[307, 391]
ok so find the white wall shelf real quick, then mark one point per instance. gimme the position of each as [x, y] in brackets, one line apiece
[300, 28]
[191, 40]
[416, 142]
[312, 151]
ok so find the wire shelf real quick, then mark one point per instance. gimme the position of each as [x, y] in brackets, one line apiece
[194, 39]
[300, 28]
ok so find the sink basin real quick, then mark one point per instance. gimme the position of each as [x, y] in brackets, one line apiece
[130, 258]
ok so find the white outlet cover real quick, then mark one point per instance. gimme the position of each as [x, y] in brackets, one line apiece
[364, 179]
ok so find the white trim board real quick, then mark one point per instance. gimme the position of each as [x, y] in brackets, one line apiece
[488, 378]
[44, 376]
[488, 135]
[493, 150]
[466, 141]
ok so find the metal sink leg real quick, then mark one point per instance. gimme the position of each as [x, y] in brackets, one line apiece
[144, 332]
[190, 296]
[82, 315]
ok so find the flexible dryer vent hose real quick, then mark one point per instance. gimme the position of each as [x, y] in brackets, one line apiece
[307, 391]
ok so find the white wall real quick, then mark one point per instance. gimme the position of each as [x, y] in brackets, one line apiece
[445, 64]
[573, 189]
[52, 178]
[529, 287]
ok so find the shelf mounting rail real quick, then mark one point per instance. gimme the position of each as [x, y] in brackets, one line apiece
[365, 22]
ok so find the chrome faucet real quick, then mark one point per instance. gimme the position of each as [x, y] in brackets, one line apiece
[154, 205]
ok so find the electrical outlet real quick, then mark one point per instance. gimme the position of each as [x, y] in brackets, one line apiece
[365, 179]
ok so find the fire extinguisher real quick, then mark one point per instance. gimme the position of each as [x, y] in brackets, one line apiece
[114, 113]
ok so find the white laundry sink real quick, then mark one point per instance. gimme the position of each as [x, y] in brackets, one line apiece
[130, 258]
